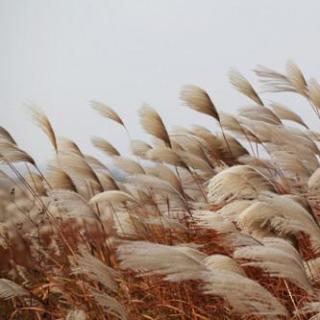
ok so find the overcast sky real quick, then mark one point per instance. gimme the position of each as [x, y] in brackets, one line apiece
[60, 54]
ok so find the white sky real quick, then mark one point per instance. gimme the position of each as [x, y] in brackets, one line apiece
[60, 54]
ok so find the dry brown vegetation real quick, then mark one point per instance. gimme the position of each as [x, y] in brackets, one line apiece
[203, 226]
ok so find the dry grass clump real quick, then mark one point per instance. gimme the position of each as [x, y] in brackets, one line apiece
[200, 225]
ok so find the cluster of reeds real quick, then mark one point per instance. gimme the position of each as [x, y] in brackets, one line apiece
[201, 225]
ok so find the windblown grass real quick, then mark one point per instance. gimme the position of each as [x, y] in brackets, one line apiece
[201, 225]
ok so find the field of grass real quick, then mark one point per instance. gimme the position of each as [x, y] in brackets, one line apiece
[202, 225]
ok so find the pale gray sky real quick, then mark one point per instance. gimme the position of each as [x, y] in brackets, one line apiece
[60, 54]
